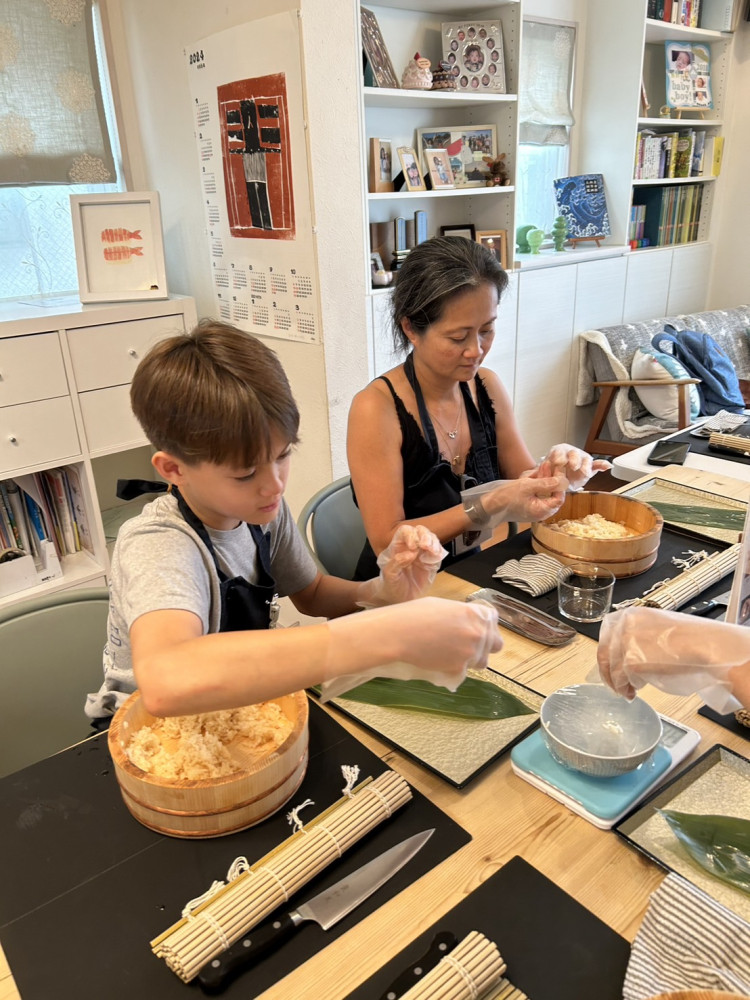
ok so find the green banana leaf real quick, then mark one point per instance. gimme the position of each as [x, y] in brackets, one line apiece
[707, 517]
[473, 699]
[719, 844]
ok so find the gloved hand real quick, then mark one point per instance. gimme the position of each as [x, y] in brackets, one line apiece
[677, 653]
[407, 568]
[576, 465]
[528, 498]
[429, 639]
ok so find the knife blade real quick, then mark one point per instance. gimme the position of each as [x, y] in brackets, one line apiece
[704, 607]
[326, 909]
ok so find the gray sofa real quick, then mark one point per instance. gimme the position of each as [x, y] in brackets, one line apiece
[606, 355]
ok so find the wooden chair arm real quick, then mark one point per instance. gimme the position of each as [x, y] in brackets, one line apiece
[650, 382]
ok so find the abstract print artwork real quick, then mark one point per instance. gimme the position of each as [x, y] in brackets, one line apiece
[256, 155]
[582, 202]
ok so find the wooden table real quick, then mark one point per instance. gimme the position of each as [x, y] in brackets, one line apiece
[505, 816]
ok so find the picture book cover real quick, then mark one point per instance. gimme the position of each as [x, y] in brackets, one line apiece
[688, 68]
[582, 202]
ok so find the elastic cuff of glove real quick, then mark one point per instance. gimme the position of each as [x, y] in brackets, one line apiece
[476, 512]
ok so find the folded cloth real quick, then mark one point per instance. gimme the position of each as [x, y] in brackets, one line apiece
[688, 941]
[535, 575]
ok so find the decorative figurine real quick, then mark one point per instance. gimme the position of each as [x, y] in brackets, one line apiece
[442, 77]
[417, 75]
[534, 238]
[559, 232]
[382, 277]
[498, 171]
[522, 244]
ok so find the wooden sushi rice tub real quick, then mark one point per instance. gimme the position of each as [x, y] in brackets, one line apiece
[211, 807]
[621, 556]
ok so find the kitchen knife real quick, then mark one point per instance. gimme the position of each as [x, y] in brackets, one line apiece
[442, 944]
[326, 909]
[704, 607]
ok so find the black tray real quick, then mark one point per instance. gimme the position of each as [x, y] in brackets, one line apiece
[85, 887]
[478, 569]
[555, 948]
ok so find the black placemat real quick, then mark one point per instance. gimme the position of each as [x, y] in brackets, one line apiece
[478, 569]
[727, 721]
[555, 948]
[700, 445]
[85, 887]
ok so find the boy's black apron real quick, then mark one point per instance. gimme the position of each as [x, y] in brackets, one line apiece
[439, 488]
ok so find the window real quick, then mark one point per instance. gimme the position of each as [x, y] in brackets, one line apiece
[547, 58]
[57, 138]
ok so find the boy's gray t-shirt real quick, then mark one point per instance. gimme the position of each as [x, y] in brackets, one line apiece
[160, 563]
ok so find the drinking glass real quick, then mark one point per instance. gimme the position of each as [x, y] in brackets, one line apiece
[585, 595]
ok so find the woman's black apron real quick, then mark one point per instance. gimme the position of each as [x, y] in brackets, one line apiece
[439, 487]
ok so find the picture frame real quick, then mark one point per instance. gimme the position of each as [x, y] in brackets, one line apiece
[439, 168]
[495, 240]
[413, 179]
[467, 230]
[376, 52]
[474, 51]
[688, 75]
[119, 246]
[466, 146]
[381, 165]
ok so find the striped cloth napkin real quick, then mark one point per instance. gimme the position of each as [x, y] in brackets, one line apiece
[688, 941]
[535, 575]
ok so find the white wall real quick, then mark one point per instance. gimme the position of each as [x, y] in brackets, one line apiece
[148, 39]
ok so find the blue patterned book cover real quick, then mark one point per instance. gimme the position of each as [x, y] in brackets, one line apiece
[581, 201]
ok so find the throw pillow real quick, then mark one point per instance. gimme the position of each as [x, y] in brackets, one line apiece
[661, 402]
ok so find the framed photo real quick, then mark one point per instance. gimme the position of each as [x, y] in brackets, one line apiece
[410, 167]
[496, 241]
[468, 231]
[466, 146]
[474, 51]
[688, 69]
[376, 52]
[119, 247]
[439, 167]
[381, 165]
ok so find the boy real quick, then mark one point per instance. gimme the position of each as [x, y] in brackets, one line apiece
[195, 575]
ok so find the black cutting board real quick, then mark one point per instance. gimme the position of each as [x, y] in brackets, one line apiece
[478, 569]
[85, 887]
[555, 948]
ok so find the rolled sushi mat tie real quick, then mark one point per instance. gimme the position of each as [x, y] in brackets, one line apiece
[688, 940]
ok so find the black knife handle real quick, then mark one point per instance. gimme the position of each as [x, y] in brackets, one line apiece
[701, 608]
[216, 975]
[443, 943]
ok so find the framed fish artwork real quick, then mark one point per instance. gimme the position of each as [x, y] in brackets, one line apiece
[119, 246]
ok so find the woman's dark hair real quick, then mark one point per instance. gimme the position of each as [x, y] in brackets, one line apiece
[434, 273]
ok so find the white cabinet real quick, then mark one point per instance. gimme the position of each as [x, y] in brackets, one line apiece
[64, 400]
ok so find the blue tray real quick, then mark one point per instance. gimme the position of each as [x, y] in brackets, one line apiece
[607, 798]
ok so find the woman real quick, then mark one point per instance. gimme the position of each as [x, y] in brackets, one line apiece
[440, 422]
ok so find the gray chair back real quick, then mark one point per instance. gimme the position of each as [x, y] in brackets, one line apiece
[331, 525]
[50, 658]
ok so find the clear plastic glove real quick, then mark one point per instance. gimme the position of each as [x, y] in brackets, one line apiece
[429, 639]
[576, 465]
[407, 568]
[677, 653]
[529, 498]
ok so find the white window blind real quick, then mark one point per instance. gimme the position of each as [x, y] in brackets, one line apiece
[53, 128]
[547, 54]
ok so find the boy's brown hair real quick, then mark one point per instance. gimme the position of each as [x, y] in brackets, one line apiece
[216, 395]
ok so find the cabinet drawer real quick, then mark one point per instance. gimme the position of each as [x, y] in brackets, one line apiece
[31, 368]
[35, 433]
[108, 420]
[109, 354]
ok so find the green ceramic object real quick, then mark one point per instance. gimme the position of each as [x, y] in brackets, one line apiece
[559, 232]
[521, 243]
[535, 238]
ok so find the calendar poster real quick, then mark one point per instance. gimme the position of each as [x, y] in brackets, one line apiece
[246, 88]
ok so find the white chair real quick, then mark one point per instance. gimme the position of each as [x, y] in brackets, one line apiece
[331, 525]
[51, 658]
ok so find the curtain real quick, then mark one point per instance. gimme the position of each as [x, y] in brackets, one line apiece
[52, 124]
[547, 52]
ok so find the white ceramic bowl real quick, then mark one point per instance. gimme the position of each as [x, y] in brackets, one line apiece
[588, 728]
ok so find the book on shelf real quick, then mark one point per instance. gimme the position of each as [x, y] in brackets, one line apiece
[19, 512]
[78, 508]
[696, 167]
[671, 213]
[719, 15]
[63, 513]
[684, 156]
[688, 74]
[712, 155]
